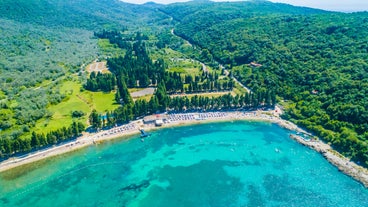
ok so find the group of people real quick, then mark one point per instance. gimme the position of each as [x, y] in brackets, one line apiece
[195, 116]
[120, 129]
[185, 117]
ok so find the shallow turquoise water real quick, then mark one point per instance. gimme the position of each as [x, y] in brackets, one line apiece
[221, 164]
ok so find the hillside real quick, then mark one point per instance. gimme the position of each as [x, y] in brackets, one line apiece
[316, 60]
[45, 43]
[87, 14]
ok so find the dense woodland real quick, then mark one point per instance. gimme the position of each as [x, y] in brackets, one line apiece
[44, 42]
[10, 147]
[137, 69]
[136, 63]
[131, 69]
[315, 61]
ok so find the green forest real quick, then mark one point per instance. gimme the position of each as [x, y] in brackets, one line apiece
[314, 63]
[316, 60]
[44, 48]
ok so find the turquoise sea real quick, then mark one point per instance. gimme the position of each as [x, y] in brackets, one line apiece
[218, 164]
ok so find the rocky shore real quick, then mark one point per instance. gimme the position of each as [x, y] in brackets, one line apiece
[342, 163]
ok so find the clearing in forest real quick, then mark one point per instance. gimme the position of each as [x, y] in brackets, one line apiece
[97, 67]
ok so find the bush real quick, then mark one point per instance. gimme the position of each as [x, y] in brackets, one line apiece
[77, 114]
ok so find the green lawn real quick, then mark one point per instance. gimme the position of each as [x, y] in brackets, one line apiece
[76, 101]
[102, 101]
[61, 113]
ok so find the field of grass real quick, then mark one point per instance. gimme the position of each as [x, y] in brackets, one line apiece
[76, 100]
[109, 49]
[238, 89]
[61, 113]
[178, 62]
[101, 101]
[166, 54]
[177, 70]
[185, 66]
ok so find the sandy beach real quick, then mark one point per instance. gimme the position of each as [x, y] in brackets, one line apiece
[171, 120]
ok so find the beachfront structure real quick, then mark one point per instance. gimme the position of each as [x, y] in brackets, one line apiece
[159, 122]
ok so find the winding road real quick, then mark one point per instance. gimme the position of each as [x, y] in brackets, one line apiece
[205, 69]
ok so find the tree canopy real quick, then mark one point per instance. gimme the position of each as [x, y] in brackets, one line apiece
[316, 61]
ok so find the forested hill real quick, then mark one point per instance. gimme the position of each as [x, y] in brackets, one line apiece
[88, 14]
[45, 42]
[220, 11]
[316, 60]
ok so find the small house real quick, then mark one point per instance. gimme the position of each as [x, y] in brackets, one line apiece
[159, 122]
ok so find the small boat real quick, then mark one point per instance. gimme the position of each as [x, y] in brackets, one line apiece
[277, 150]
[143, 133]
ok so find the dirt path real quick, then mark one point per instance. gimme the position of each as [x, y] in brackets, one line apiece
[144, 92]
[186, 41]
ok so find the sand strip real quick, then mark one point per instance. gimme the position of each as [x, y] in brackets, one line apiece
[342, 163]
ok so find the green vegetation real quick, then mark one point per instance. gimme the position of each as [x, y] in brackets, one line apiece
[103, 101]
[316, 60]
[40, 49]
[137, 69]
[101, 82]
[108, 49]
[75, 100]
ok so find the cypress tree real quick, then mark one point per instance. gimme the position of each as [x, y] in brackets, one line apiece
[35, 142]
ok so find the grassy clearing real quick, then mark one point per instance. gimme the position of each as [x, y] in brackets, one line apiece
[238, 89]
[109, 49]
[61, 113]
[185, 66]
[178, 62]
[101, 101]
[166, 54]
[76, 101]
[94, 100]
[177, 70]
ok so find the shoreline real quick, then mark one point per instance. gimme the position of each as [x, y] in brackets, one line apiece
[343, 164]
